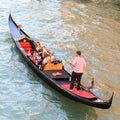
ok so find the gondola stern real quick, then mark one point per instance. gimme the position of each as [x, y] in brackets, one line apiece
[109, 102]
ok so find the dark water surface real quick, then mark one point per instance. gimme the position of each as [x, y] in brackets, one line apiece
[64, 26]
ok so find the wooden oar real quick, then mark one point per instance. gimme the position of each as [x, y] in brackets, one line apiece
[101, 86]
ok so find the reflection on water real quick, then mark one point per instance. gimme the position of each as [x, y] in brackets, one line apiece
[64, 27]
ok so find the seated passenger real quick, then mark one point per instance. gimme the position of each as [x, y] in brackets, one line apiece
[53, 57]
[45, 52]
[38, 59]
[38, 46]
[40, 53]
[35, 54]
[46, 60]
[42, 50]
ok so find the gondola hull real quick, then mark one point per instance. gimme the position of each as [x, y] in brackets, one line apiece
[60, 85]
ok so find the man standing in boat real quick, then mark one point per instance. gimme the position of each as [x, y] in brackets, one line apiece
[78, 65]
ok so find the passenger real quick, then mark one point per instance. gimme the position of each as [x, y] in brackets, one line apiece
[53, 57]
[38, 59]
[35, 54]
[42, 50]
[38, 46]
[46, 60]
[45, 52]
[40, 53]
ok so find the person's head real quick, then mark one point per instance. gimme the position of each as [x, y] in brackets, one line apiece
[37, 43]
[53, 58]
[39, 56]
[78, 53]
[52, 53]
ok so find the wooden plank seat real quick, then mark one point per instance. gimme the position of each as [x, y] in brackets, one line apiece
[63, 76]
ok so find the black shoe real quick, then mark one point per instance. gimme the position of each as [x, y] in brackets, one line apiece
[70, 89]
[78, 90]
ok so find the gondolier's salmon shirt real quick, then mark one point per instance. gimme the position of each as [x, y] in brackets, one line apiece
[79, 64]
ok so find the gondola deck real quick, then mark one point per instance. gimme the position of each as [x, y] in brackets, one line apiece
[55, 77]
[81, 93]
[64, 75]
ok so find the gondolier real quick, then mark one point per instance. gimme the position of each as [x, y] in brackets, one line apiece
[78, 67]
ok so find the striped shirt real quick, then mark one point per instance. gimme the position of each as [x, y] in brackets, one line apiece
[79, 64]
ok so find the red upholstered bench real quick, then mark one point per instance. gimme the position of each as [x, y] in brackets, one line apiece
[27, 47]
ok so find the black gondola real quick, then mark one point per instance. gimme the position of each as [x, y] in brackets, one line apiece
[59, 82]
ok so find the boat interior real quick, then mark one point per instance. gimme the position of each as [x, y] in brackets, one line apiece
[55, 71]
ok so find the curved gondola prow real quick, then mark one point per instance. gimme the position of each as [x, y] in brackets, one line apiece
[17, 35]
[107, 103]
[17, 32]
[110, 101]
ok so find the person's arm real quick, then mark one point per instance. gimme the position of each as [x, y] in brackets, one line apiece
[73, 63]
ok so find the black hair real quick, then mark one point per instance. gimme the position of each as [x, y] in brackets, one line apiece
[78, 52]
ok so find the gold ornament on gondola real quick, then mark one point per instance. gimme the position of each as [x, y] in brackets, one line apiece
[19, 26]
